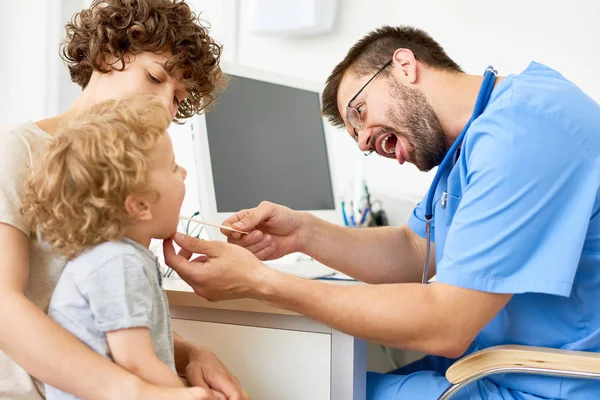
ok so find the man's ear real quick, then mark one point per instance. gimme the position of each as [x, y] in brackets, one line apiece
[405, 64]
[138, 208]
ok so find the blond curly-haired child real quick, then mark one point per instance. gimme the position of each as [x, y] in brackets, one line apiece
[109, 184]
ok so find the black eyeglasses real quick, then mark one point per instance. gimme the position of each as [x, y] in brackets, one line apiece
[353, 114]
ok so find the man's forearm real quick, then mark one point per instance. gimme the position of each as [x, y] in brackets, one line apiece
[54, 356]
[410, 316]
[373, 255]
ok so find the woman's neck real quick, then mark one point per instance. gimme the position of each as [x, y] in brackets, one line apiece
[50, 125]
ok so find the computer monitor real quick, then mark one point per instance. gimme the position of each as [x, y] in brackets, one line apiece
[264, 139]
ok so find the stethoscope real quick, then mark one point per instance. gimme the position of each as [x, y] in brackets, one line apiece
[485, 92]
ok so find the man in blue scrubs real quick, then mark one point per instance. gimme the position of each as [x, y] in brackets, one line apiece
[516, 223]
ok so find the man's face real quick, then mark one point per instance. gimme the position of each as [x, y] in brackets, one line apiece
[398, 121]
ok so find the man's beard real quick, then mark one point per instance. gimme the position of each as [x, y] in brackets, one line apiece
[413, 118]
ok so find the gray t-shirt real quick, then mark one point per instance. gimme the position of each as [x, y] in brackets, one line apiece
[115, 285]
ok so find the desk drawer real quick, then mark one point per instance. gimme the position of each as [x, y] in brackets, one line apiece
[271, 364]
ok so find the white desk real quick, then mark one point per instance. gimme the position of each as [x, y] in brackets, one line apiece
[276, 354]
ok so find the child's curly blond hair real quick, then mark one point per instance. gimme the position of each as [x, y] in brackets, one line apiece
[75, 196]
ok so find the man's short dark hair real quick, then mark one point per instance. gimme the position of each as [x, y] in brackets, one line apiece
[375, 49]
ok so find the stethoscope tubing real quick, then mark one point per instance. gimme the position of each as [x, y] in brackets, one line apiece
[485, 92]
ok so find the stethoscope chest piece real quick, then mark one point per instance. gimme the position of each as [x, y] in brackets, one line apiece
[444, 200]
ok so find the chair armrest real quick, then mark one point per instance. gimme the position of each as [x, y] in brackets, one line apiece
[512, 357]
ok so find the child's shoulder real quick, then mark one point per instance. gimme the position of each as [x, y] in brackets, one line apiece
[105, 255]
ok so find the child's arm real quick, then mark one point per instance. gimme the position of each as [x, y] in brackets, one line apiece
[36, 342]
[132, 349]
[121, 290]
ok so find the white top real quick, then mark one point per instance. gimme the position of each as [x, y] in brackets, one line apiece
[20, 147]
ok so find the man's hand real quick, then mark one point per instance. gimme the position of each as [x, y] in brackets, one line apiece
[274, 230]
[224, 271]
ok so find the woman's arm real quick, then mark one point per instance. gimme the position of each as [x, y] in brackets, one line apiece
[201, 367]
[37, 343]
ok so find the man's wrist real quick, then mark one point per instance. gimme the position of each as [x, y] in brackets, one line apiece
[306, 225]
[265, 283]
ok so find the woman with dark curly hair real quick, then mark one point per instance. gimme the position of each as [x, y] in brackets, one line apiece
[114, 49]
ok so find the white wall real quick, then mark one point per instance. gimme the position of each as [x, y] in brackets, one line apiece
[35, 82]
[507, 34]
[23, 62]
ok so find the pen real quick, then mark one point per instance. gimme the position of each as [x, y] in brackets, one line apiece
[333, 278]
[364, 215]
[344, 213]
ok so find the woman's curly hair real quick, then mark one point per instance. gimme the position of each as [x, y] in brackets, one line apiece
[75, 196]
[121, 28]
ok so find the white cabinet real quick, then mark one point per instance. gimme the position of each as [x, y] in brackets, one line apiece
[271, 364]
[276, 354]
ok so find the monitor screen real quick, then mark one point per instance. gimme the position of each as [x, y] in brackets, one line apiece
[267, 142]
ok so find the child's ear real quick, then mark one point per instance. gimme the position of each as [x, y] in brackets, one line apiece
[139, 208]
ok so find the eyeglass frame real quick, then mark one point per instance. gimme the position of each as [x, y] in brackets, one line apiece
[351, 110]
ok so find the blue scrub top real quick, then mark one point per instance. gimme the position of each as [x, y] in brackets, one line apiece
[522, 217]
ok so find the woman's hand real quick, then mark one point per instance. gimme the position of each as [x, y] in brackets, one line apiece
[151, 392]
[206, 370]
